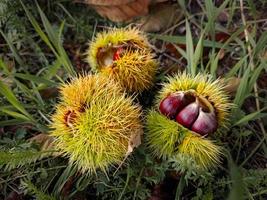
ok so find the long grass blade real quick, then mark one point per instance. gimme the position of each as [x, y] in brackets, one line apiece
[5, 91]
[190, 50]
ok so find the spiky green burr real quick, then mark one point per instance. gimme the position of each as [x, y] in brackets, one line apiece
[167, 137]
[94, 122]
[125, 56]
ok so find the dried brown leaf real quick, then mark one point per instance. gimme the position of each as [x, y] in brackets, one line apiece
[162, 16]
[135, 141]
[45, 141]
[121, 11]
[231, 84]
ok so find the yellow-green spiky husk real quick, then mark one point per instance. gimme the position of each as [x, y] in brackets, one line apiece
[203, 151]
[169, 131]
[135, 70]
[167, 138]
[96, 133]
[203, 85]
[115, 37]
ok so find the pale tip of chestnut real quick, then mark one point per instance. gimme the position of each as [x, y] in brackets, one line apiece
[205, 124]
[188, 115]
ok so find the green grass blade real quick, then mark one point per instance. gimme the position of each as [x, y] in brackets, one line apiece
[182, 40]
[238, 187]
[15, 114]
[52, 70]
[37, 28]
[242, 91]
[35, 79]
[190, 50]
[210, 12]
[62, 52]
[13, 50]
[48, 28]
[4, 67]
[25, 90]
[64, 61]
[11, 122]
[66, 174]
[214, 64]
[215, 60]
[198, 51]
[56, 38]
[236, 67]
[255, 76]
[250, 117]
[181, 51]
[14, 159]
[30, 188]
[67, 12]
[261, 44]
[5, 91]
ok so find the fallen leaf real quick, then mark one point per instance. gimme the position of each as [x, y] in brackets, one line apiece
[161, 17]
[45, 141]
[135, 141]
[231, 84]
[104, 2]
[172, 50]
[119, 10]
[221, 54]
[221, 37]
[223, 16]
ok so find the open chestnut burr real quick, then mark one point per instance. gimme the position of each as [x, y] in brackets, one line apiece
[191, 111]
[188, 113]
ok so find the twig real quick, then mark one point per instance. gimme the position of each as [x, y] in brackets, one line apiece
[44, 117]
[94, 31]
[255, 85]
[253, 152]
[249, 52]
[162, 53]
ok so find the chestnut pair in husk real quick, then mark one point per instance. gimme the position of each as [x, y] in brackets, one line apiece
[191, 111]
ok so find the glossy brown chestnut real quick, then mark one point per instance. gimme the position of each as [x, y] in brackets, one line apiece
[206, 123]
[188, 115]
[193, 112]
[172, 104]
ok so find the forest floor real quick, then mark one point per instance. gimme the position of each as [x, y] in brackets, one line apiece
[42, 42]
